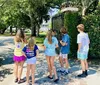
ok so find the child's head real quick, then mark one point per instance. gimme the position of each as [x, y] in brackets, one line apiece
[49, 36]
[80, 27]
[31, 43]
[63, 30]
[20, 35]
[53, 32]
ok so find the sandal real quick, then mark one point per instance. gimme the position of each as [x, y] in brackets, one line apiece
[56, 80]
[21, 81]
[50, 77]
[16, 80]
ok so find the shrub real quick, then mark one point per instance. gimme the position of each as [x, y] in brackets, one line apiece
[71, 20]
[92, 26]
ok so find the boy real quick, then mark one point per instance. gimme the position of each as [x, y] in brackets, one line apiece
[65, 47]
[83, 48]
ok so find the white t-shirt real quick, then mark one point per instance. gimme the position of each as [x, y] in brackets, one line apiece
[84, 40]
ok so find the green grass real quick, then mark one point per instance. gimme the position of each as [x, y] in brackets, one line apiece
[39, 40]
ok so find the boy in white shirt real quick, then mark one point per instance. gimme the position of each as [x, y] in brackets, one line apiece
[83, 48]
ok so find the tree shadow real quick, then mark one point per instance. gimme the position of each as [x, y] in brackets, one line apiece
[91, 71]
[6, 42]
[4, 73]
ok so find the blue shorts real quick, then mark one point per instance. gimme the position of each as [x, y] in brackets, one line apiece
[31, 60]
[50, 53]
[82, 56]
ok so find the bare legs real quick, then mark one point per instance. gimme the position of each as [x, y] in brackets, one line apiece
[30, 68]
[84, 65]
[18, 68]
[51, 67]
[62, 61]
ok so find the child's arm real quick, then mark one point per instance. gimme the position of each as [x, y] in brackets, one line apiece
[79, 46]
[24, 54]
[63, 43]
[37, 53]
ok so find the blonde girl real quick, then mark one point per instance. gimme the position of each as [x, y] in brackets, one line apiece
[30, 51]
[50, 43]
[19, 58]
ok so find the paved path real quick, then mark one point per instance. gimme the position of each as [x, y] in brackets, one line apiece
[6, 70]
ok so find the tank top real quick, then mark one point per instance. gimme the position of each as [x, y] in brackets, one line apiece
[18, 48]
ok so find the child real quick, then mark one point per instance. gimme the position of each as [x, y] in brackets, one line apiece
[19, 58]
[64, 51]
[83, 48]
[30, 51]
[50, 43]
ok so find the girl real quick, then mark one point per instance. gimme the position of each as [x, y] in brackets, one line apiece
[19, 58]
[30, 51]
[50, 43]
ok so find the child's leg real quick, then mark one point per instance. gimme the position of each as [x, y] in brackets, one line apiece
[33, 66]
[53, 67]
[28, 72]
[83, 64]
[16, 70]
[86, 65]
[66, 64]
[20, 70]
[49, 66]
[61, 61]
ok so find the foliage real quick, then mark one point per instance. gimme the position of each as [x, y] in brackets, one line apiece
[71, 21]
[92, 26]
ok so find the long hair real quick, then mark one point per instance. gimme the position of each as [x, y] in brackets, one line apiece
[20, 36]
[49, 36]
[31, 43]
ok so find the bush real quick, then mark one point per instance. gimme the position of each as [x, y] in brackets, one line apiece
[92, 26]
[71, 20]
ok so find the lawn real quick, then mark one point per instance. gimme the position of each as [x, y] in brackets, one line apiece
[39, 39]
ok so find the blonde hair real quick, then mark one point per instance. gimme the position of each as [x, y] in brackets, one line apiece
[31, 43]
[20, 37]
[49, 36]
[81, 27]
[63, 30]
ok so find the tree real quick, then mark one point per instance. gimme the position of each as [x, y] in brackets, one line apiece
[26, 13]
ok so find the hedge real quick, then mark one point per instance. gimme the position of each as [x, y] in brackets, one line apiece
[71, 20]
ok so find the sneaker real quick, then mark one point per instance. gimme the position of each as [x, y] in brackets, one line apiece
[83, 75]
[60, 70]
[65, 73]
[56, 80]
[86, 73]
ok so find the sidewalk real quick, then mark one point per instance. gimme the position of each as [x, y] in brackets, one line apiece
[41, 69]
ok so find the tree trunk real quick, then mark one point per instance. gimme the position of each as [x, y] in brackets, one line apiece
[37, 30]
[11, 32]
[33, 30]
[33, 27]
[2, 31]
[83, 12]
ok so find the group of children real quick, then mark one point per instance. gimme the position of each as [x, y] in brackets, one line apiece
[29, 51]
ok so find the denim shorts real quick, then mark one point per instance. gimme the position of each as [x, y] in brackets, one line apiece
[82, 56]
[31, 60]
